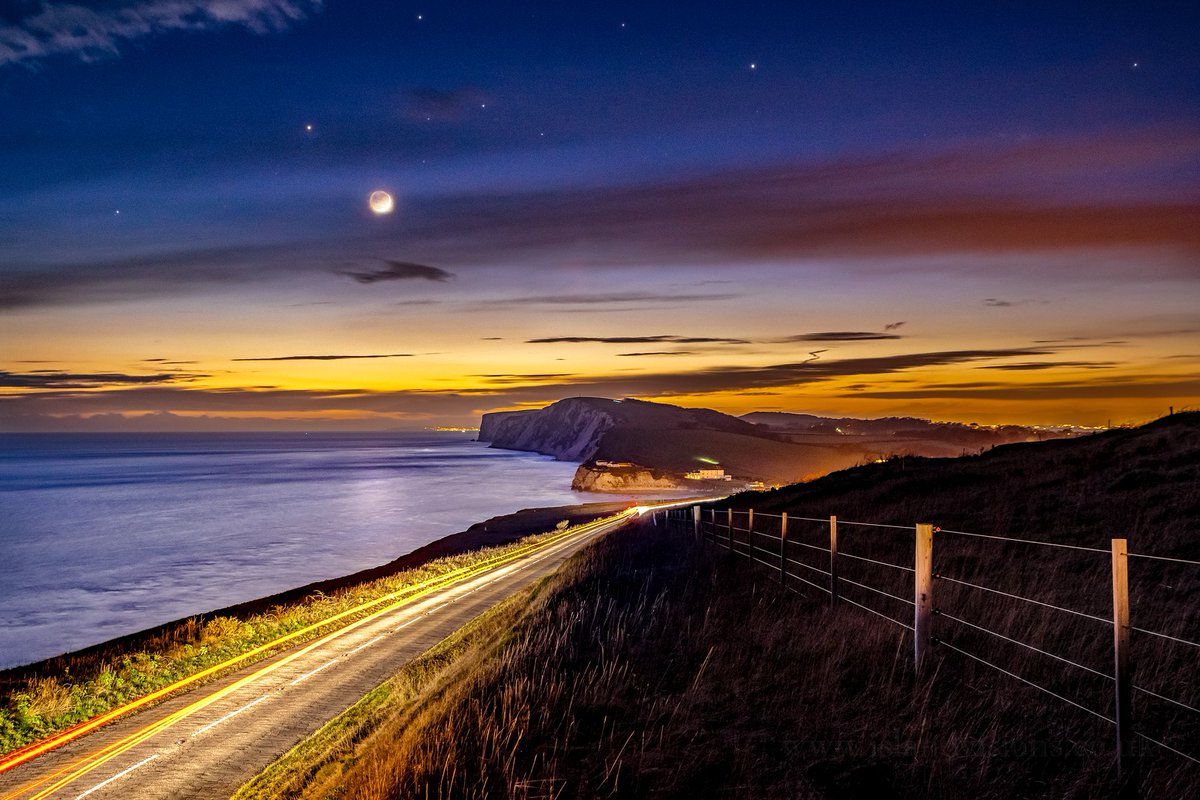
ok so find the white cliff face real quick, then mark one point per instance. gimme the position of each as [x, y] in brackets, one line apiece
[569, 430]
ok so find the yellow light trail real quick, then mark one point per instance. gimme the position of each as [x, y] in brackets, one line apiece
[108, 752]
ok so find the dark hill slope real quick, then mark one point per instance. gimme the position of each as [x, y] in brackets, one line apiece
[901, 435]
[1140, 483]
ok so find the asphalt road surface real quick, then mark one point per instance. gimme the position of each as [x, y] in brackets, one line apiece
[207, 742]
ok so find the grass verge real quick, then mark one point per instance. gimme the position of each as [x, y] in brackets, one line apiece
[315, 766]
[40, 702]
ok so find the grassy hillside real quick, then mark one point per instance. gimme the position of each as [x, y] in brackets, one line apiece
[1142, 483]
[656, 666]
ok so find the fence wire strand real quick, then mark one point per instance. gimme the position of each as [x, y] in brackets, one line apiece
[1025, 599]
[1193, 759]
[804, 580]
[807, 566]
[868, 524]
[873, 561]
[842, 579]
[1164, 636]
[1166, 699]
[1024, 680]
[1026, 541]
[765, 564]
[893, 620]
[1165, 558]
[1022, 644]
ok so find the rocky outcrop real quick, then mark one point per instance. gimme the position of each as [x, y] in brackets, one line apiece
[590, 478]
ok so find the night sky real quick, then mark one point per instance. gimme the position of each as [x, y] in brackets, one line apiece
[971, 211]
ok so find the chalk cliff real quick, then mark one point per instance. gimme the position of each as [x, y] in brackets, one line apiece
[569, 430]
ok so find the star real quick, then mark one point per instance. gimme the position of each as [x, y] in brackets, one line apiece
[420, 17]
[1135, 65]
[753, 65]
[308, 127]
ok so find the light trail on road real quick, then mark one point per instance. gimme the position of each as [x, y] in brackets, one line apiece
[415, 591]
[79, 768]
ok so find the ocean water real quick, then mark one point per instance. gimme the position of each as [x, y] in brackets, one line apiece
[104, 535]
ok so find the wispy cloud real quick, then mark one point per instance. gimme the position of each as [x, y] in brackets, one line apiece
[399, 271]
[1024, 366]
[327, 357]
[836, 336]
[1057, 390]
[614, 298]
[996, 302]
[971, 201]
[51, 379]
[891, 326]
[902, 214]
[635, 340]
[520, 378]
[658, 353]
[28, 410]
[820, 336]
[98, 30]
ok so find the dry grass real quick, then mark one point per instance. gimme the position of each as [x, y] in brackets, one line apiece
[655, 667]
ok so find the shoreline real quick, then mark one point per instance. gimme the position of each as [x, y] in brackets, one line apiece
[492, 532]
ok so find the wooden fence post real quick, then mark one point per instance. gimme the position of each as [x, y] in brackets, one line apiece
[1123, 670]
[750, 536]
[833, 566]
[696, 522]
[922, 592]
[712, 524]
[730, 509]
[783, 550]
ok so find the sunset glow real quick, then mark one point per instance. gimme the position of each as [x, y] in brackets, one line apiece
[973, 232]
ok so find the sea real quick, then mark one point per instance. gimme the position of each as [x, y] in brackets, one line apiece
[103, 535]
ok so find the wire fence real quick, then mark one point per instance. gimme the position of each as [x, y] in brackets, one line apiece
[806, 557]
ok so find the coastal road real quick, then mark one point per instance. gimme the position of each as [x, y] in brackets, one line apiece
[207, 742]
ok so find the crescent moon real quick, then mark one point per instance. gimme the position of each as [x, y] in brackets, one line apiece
[381, 202]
